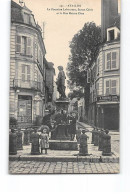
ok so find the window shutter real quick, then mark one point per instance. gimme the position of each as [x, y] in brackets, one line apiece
[18, 44]
[114, 58]
[107, 87]
[29, 43]
[108, 65]
[23, 72]
[28, 73]
[113, 87]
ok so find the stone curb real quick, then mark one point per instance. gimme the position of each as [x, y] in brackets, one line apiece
[65, 159]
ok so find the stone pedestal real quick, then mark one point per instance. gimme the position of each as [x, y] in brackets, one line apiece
[93, 136]
[62, 145]
[30, 131]
[62, 104]
[61, 137]
[83, 151]
[19, 141]
[100, 143]
[12, 143]
[61, 132]
[26, 137]
[35, 144]
[106, 145]
[96, 138]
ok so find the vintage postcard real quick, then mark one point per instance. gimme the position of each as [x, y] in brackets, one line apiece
[64, 87]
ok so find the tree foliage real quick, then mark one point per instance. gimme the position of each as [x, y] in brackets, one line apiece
[76, 93]
[84, 48]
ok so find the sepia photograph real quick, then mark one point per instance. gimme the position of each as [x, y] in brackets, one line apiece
[64, 94]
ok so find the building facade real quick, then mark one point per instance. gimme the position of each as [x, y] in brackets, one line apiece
[27, 68]
[104, 91]
[104, 77]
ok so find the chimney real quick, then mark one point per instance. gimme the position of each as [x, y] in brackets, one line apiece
[109, 10]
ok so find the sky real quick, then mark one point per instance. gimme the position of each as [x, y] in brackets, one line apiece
[60, 29]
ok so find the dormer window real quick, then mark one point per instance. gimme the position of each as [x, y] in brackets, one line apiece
[26, 18]
[112, 33]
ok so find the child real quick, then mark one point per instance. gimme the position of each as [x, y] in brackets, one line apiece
[44, 143]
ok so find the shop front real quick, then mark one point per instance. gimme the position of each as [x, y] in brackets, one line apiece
[107, 112]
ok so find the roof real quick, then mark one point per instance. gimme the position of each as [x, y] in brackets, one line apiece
[14, 4]
[16, 14]
[116, 22]
[25, 7]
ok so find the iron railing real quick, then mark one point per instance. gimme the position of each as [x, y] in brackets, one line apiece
[24, 119]
[28, 84]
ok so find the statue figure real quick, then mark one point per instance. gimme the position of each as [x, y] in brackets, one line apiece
[61, 82]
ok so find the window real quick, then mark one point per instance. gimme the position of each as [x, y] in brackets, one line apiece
[111, 35]
[111, 87]
[111, 61]
[107, 87]
[114, 57]
[26, 18]
[23, 45]
[18, 44]
[25, 72]
[29, 46]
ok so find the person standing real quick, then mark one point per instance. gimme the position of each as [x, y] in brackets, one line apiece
[44, 143]
[72, 119]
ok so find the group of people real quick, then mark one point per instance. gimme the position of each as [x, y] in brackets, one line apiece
[49, 129]
[53, 119]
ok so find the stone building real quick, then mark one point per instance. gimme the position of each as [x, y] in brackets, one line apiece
[104, 75]
[27, 67]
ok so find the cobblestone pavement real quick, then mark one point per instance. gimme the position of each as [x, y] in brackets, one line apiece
[32, 167]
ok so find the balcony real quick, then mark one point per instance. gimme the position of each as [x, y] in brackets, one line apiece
[33, 85]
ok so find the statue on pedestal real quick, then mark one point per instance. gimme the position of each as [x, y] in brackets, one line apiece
[61, 82]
